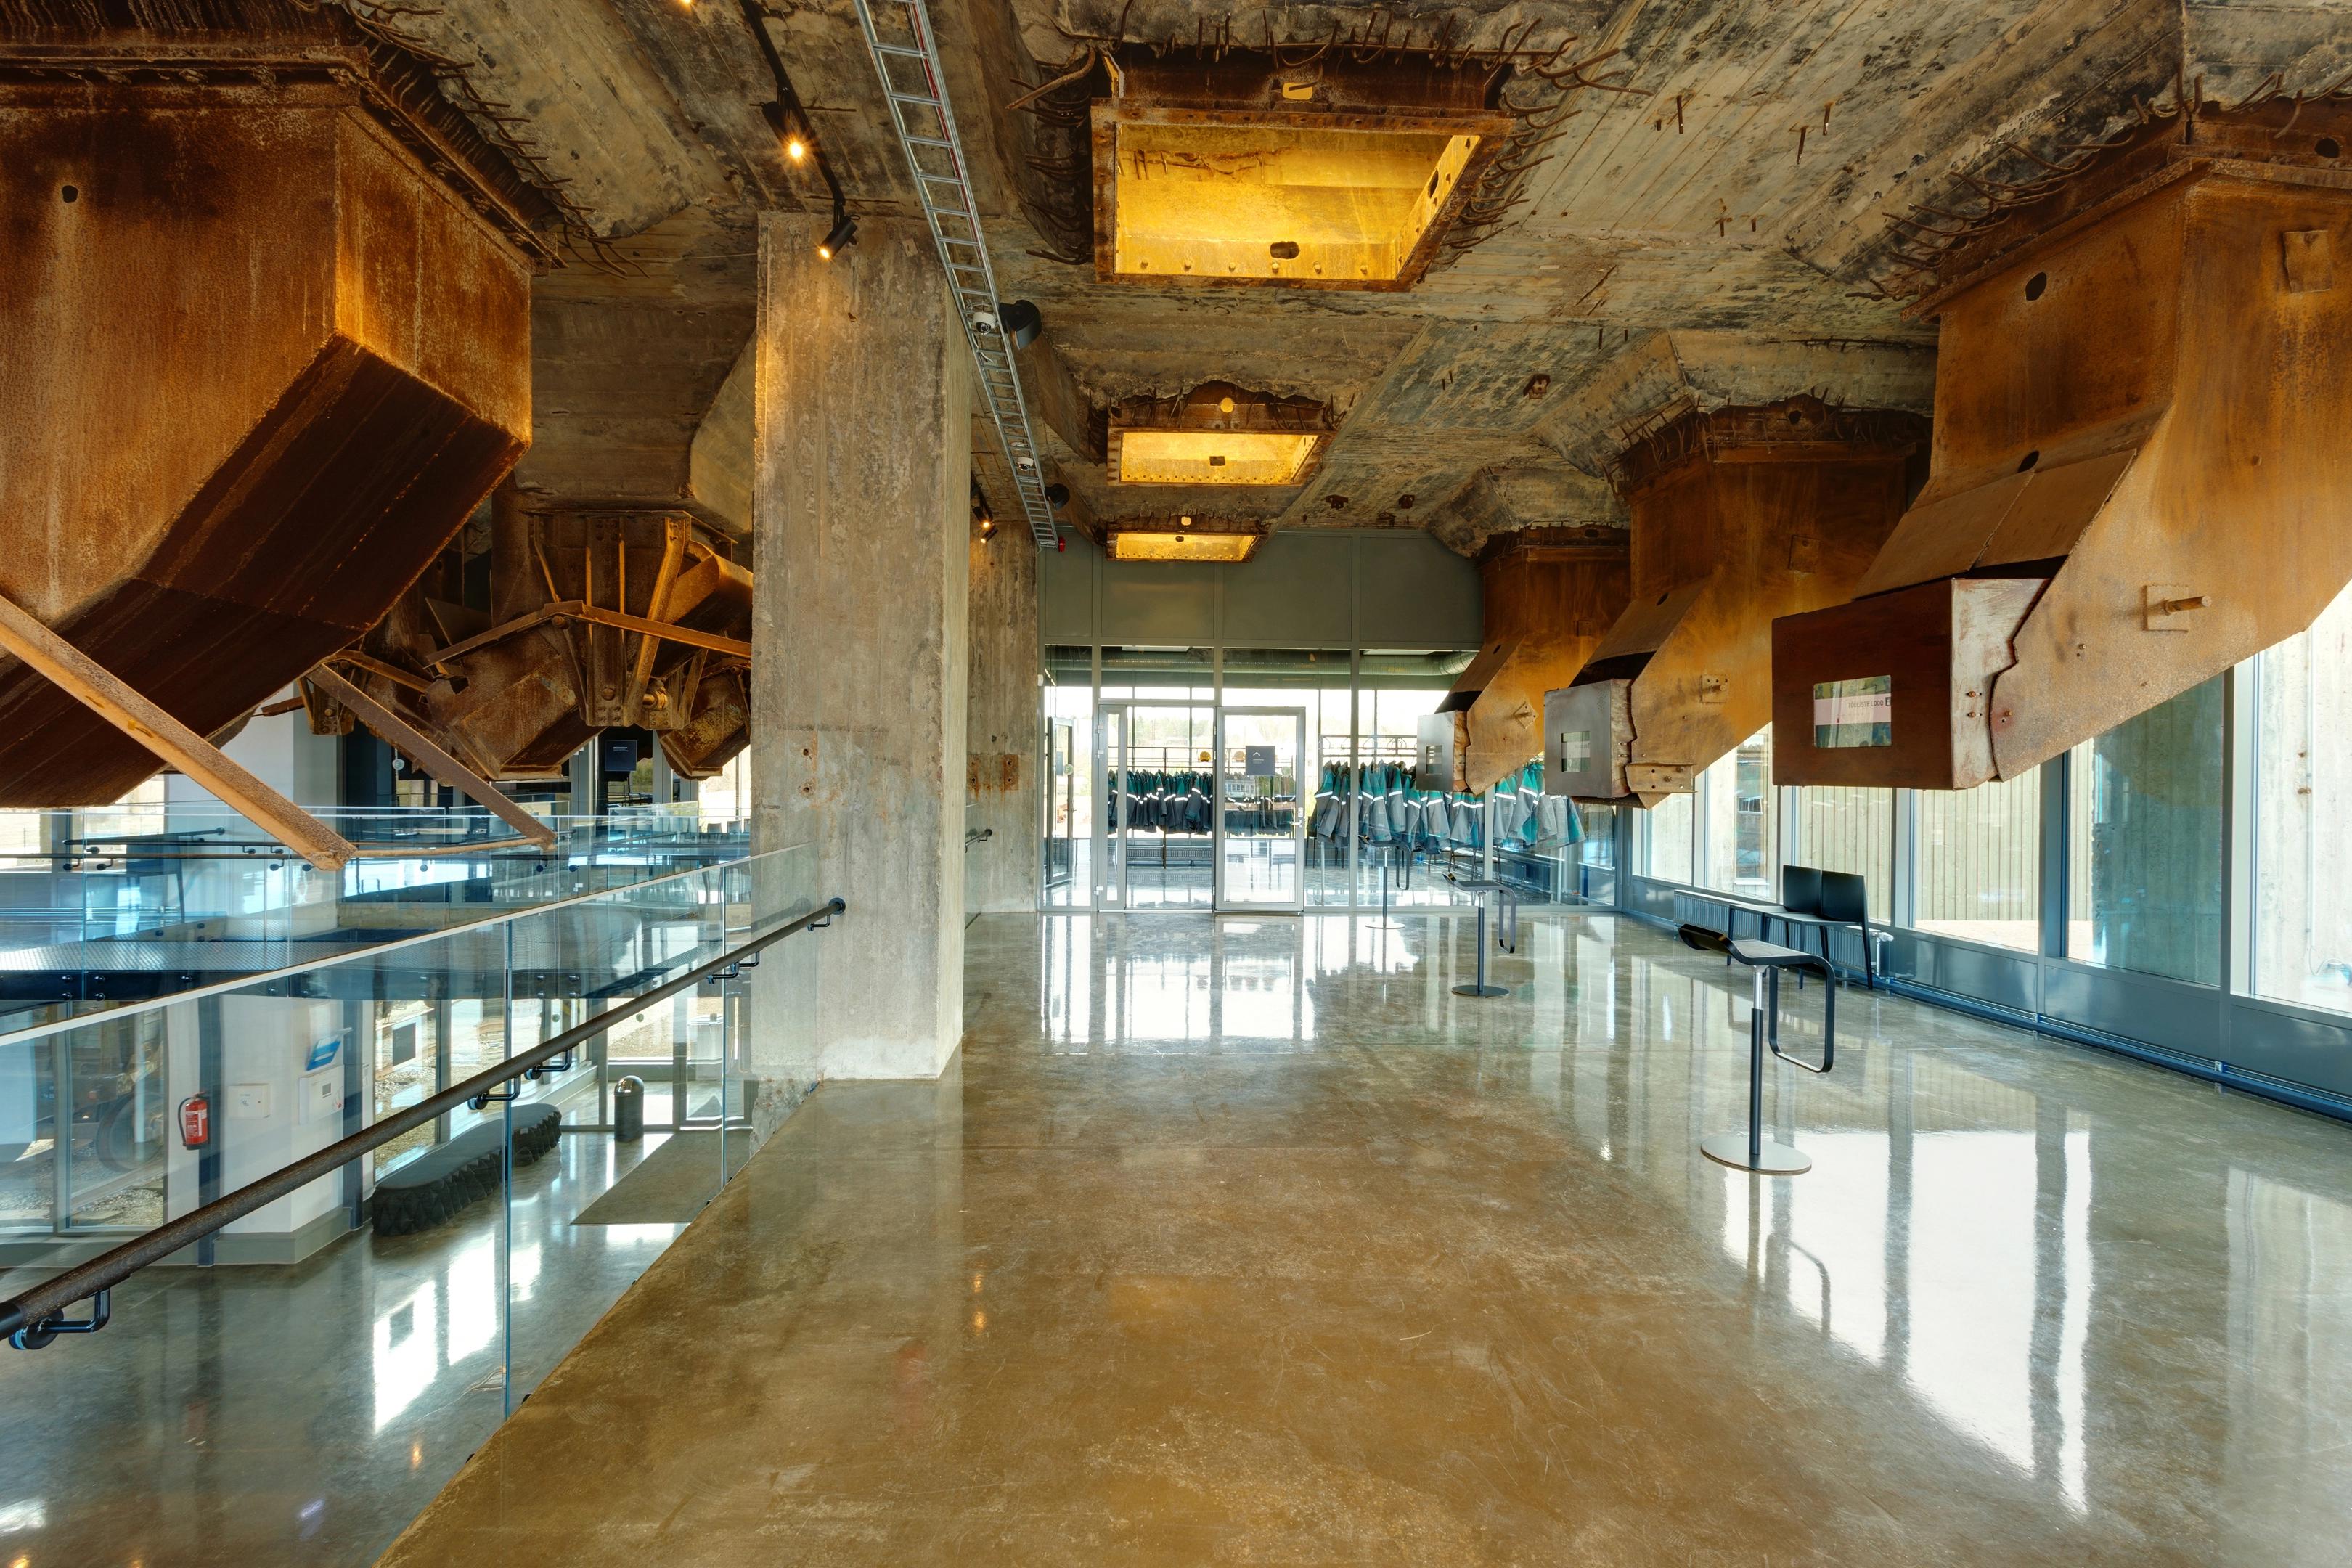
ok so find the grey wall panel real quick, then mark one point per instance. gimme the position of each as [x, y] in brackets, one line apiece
[1655, 900]
[2298, 1049]
[2004, 979]
[1291, 594]
[2166, 1013]
[1066, 588]
[1152, 602]
[1413, 592]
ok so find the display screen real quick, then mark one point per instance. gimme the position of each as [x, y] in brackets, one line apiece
[1859, 712]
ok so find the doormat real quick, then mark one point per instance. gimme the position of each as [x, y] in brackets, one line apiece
[670, 1186]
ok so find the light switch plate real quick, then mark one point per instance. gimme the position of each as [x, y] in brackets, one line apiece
[322, 1096]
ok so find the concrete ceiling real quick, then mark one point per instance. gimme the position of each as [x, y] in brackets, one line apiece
[1711, 225]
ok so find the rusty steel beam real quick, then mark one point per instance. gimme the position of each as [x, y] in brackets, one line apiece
[95, 688]
[417, 748]
[374, 666]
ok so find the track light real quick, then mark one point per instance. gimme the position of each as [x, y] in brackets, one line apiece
[1020, 322]
[840, 238]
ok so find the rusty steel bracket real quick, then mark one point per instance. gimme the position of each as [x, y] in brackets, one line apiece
[574, 610]
[412, 744]
[374, 666]
[106, 695]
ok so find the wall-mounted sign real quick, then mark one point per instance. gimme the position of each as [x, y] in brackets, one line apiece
[1575, 748]
[1859, 712]
[322, 1053]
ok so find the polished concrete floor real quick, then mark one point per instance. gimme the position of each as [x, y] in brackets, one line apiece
[1246, 1241]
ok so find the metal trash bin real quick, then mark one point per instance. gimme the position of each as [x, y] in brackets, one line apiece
[629, 1109]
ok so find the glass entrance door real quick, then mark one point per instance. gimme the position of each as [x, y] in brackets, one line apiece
[1262, 829]
[1159, 770]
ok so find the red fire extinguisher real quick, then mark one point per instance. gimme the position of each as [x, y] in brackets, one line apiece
[196, 1122]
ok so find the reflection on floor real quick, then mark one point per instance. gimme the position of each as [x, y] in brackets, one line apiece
[254, 1415]
[1248, 1241]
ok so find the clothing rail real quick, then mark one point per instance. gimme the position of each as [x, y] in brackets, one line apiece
[34, 1319]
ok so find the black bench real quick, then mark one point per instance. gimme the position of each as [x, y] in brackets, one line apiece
[435, 1186]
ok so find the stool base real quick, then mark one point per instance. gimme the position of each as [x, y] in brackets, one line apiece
[1771, 1160]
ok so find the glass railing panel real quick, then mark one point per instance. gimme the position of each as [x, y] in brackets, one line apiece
[112, 922]
[397, 1308]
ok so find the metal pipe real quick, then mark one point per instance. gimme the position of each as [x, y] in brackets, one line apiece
[51, 1296]
[1756, 1014]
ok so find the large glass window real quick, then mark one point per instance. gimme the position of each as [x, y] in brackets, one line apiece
[1409, 834]
[1663, 836]
[1738, 836]
[2302, 796]
[1979, 862]
[1844, 828]
[2143, 886]
[1070, 793]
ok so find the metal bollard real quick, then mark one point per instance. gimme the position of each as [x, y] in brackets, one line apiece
[629, 1109]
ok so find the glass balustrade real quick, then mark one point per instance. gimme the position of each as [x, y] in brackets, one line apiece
[401, 1306]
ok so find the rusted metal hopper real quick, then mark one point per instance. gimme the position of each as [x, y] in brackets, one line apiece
[2140, 472]
[264, 302]
[1738, 516]
[597, 621]
[1550, 594]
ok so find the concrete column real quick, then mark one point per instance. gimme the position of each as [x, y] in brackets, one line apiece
[860, 507]
[1002, 723]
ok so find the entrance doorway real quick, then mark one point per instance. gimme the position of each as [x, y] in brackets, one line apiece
[1202, 808]
[1157, 830]
[1262, 802]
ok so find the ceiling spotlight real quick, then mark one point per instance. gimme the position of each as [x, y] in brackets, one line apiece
[795, 149]
[1183, 523]
[838, 238]
[1021, 322]
[1057, 495]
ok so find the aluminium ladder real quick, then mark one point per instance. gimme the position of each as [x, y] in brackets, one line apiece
[916, 91]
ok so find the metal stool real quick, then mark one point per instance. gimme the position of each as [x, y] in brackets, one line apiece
[1755, 1152]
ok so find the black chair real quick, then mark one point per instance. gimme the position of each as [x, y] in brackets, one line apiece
[1845, 900]
[1800, 894]
[1800, 890]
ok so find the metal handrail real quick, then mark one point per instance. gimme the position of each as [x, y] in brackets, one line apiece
[32, 1320]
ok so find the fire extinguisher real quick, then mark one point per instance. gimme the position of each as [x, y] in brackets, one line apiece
[196, 1122]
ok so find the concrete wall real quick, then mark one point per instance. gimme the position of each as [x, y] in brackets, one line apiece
[1000, 726]
[1320, 588]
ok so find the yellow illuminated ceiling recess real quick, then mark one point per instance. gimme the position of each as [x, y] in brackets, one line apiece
[1213, 457]
[1150, 544]
[1216, 434]
[1243, 202]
